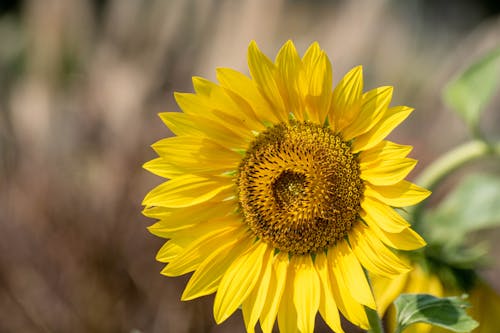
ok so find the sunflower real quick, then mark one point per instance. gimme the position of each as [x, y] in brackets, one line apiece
[281, 192]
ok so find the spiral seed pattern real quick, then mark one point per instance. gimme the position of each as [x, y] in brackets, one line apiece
[299, 187]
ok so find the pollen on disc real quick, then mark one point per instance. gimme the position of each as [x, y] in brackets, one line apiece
[299, 187]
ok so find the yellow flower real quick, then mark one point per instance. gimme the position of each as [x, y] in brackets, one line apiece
[281, 190]
[484, 301]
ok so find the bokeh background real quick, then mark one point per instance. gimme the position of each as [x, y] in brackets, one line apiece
[81, 83]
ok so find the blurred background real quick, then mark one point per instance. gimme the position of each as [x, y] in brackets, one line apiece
[81, 83]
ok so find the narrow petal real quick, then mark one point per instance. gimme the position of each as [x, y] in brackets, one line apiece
[391, 118]
[386, 290]
[401, 194]
[161, 167]
[350, 308]
[346, 99]
[175, 221]
[374, 105]
[289, 66]
[354, 277]
[156, 212]
[202, 86]
[383, 215]
[244, 87]
[196, 155]
[316, 83]
[253, 122]
[238, 281]
[373, 254]
[253, 305]
[180, 123]
[327, 306]
[275, 293]
[312, 53]
[185, 191]
[184, 237]
[385, 150]
[406, 239]
[287, 313]
[306, 292]
[225, 108]
[205, 280]
[387, 172]
[213, 125]
[263, 72]
[169, 251]
[199, 249]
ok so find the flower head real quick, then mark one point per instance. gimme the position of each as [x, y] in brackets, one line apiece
[281, 191]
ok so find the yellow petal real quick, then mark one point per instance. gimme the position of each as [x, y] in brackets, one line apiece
[156, 212]
[275, 293]
[227, 109]
[306, 292]
[287, 314]
[199, 249]
[161, 167]
[374, 104]
[385, 150]
[401, 194]
[202, 86]
[252, 306]
[244, 87]
[251, 121]
[185, 191]
[176, 221]
[354, 277]
[386, 290]
[213, 126]
[192, 104]
[196, 155]
[383, 215]
[388, 172]
[346, 99]
[316, 83]
[373, 254]
[289, 67]
[350, 308]
[263, 72]
[180, 123]
[205, 280]
[238, 281]
[312, 53]
[390, 119]
[327, 306]
[406, 239]
[183, 238]
[169, 251]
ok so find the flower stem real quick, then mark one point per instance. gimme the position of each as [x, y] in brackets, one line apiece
[374, 320]
[450, 162]
[454, 159]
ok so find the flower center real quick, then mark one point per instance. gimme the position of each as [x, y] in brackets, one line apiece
[299, 187]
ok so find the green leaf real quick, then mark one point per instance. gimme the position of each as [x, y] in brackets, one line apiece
[447, 312]
[469, 93]
[473, 205]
